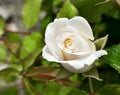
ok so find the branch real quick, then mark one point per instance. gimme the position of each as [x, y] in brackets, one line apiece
[91, 87]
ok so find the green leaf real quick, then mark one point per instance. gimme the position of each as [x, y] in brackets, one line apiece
[42, 70]
[2, 25]
[64, 90]
[15, 49]
[30, 43]
[100, 43]
[3, 53]
[30, 87]
[9, 91]
[42, 73]
[17, 67]
[68, 10]
[1, 32]
[92, 10]
[13, 37]
[66, 82]
[93, 73]
[77, 92]
[8, 72]
[29, 60]
[113, 89]
[30, 12]
[56, 2]
[63, 73]
[43, 77]
[113, 57]
[56, 89]
[33, 41]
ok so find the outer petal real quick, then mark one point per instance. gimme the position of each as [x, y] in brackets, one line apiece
[75, 66]
[52, 31]
[47, 55]
[85, 64]
[70, 68]
[82, 27]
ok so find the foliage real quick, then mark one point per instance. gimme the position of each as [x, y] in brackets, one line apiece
[113, 57]
[31, 12]
[22, 68]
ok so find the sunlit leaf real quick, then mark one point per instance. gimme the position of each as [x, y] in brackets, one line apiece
[3, 53]
[30, 12]
[63, 73]
[30, 87]
[1, 32]
[2, 25]
[113, 89]
[29, 60]
[68, 10]
[13, 37]
[113, 57]
[33, 41]
[17, 67]
[30, 43]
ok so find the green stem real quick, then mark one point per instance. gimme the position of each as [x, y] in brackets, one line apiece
[91, 87]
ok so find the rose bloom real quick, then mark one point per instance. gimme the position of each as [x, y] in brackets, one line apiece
[70, 42]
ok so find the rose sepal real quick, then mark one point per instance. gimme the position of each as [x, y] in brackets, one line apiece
[93, 73]
[101, 42]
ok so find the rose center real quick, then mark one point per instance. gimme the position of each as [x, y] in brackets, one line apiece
[68, 42]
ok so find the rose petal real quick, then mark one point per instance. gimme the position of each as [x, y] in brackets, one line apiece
[67, 42]
[51, 31]
[83, 65]
[76, 47]
[81, 70]
[82, 27]
[74, 56]
[75, 66]
[78, 42]
[47, 55]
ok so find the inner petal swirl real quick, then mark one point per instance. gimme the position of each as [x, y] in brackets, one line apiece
[68, 42]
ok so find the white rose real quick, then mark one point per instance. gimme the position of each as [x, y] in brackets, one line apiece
[70, 42]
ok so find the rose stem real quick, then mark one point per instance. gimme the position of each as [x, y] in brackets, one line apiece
[91, 87]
